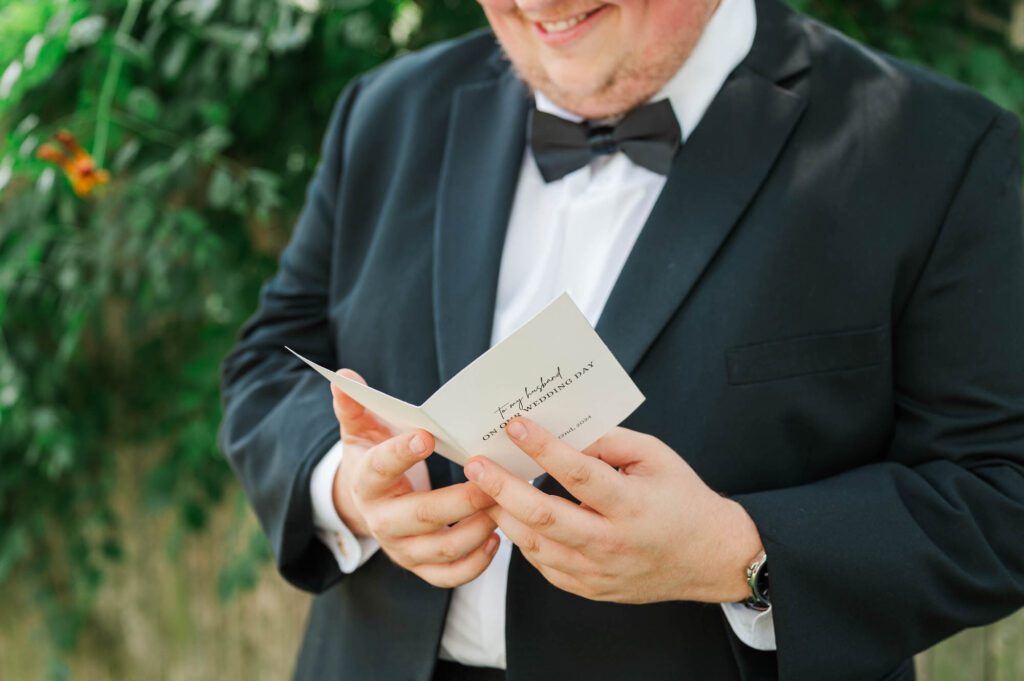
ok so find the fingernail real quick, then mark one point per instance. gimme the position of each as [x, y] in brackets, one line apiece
[416, 444]
[492, 545]
[475, 471]
[517, 430]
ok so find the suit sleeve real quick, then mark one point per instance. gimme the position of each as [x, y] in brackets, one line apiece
[878, 563]
[278, 418]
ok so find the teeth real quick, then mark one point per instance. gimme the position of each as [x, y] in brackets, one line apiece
[564, 25]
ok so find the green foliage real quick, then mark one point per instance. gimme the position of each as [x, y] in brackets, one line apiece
[977, 42]
[116, 307]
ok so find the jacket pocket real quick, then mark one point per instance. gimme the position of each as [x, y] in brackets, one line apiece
[804, 355]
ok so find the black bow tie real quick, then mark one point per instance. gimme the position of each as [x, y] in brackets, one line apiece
[648, 135]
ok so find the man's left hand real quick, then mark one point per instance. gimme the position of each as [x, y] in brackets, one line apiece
[648, 528]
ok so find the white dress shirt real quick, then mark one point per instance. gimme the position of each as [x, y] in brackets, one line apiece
[573, 234]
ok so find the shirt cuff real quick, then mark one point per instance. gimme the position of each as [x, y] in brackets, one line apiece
[349, 550]
[755, 628]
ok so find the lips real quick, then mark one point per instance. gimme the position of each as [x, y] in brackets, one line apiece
[567, 24]
[567, 29]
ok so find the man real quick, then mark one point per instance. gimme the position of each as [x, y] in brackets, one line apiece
[810, 259]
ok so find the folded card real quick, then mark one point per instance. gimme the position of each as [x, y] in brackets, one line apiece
[554, 369]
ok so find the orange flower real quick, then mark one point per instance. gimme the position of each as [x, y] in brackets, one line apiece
[77, 164]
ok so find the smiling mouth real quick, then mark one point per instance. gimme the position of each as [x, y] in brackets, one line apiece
[563, 25]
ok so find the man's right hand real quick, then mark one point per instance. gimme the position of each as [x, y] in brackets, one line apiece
[374, 498]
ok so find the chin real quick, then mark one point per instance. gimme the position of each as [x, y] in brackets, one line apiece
[581, 89]
[578, 91]
[592, 99]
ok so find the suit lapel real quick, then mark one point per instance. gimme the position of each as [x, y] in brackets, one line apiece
[715, 175]
[483, 156]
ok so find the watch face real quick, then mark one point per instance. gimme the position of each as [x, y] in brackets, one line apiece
[757, 579]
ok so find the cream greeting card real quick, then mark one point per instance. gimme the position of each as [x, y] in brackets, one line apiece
[554, 370]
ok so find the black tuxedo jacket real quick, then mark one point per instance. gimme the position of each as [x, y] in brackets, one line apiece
[825, 311]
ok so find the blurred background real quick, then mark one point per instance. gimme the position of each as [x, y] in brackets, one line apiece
[153, 157]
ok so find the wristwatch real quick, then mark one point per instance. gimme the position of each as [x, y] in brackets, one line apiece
[757, 579]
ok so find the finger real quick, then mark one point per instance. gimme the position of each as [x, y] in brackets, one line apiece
[425, 512]
[590, 480]
[344, 406]
[554, 517]
[385, 464]
[463, 570]
[355, 419]
[447, 545]
[559, 579]
[538, 547]
[622, 448]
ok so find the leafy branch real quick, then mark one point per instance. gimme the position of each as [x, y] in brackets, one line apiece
[110, 79]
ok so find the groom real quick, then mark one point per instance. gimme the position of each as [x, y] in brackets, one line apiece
[809, 257]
